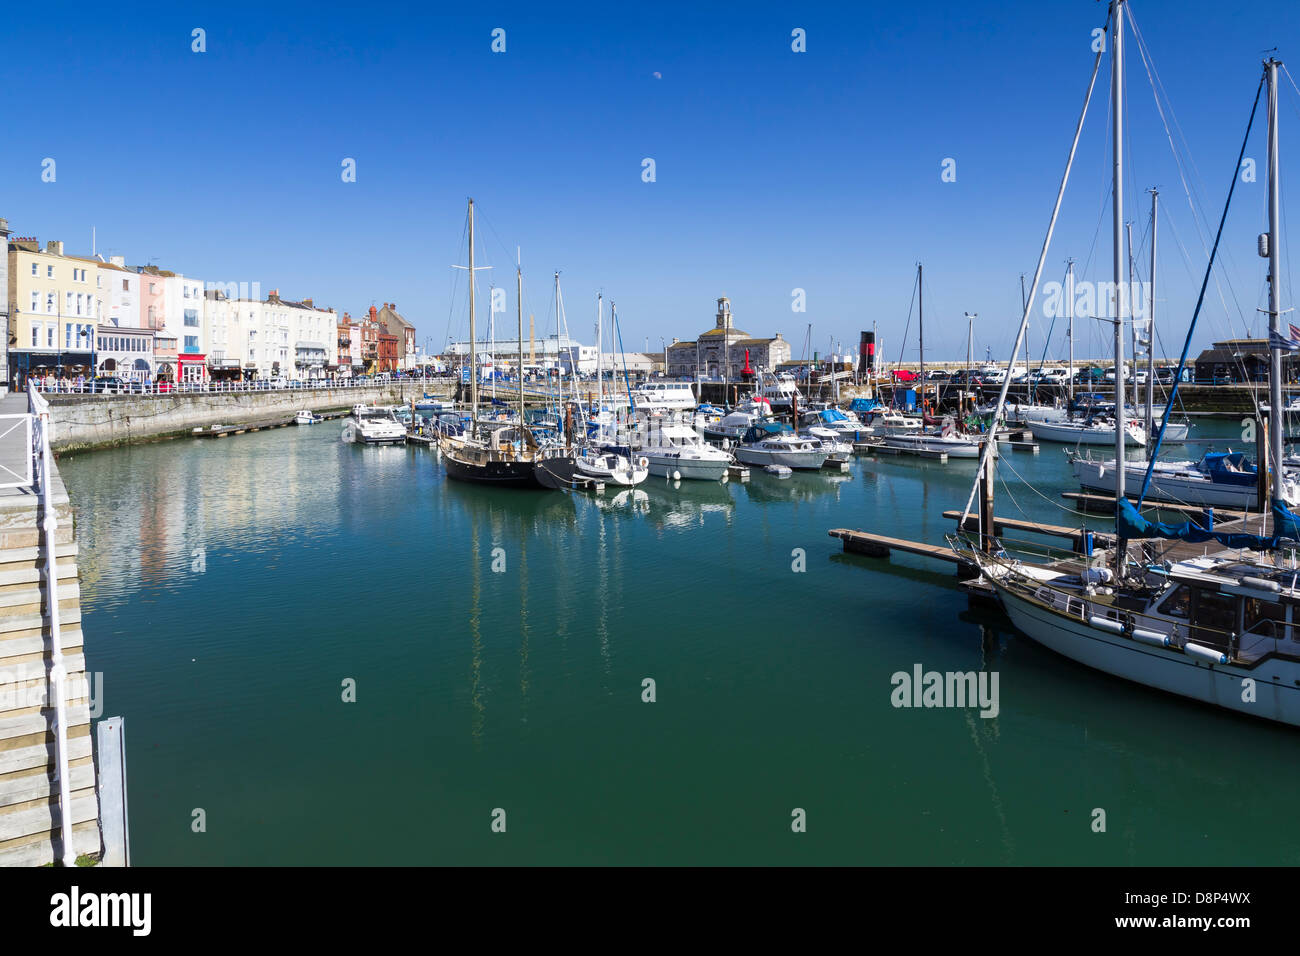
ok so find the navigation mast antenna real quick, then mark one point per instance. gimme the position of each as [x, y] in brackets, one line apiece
[1117, 238]
[1151, 332]
[473, 345]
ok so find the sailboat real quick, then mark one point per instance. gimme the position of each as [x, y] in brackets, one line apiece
[500, 453]
[947, 439]
[1214, 627]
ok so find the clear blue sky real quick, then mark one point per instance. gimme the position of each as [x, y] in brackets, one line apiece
[775, 170]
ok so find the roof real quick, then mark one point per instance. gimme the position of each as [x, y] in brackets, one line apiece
[1230, 356]
[731, 334]
[396, 315]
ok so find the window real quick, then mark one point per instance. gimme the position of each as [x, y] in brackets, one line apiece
[35, 269]
[67, 303]
[126, 285]
[185, 291]
[67, 336]
[49, 303]
[79, 302]
[49, 272]
[191, 343]
[36, 301]
[99, 281]
[49, 334]
[36, 334]
[192, 318]
[153, 288]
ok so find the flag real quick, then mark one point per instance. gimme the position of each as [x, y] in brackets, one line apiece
[1276, 340]
[1295, 333]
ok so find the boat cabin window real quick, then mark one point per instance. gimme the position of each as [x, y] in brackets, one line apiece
[1266, 618]
[1216, 618]
[1178, 604]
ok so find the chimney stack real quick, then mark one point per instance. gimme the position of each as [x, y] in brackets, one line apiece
[307, 303]
[54, 246]
[273, 296]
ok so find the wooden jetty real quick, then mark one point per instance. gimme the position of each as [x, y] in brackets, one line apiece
[1078, 536]
[1105, 504]
[221, 431]
[880, 545]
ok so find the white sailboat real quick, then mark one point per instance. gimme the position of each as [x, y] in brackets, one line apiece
[1206, 627]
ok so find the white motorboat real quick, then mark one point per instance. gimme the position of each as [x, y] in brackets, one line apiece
[735, 423]
[1037, 413]
[1218, 480]
[952, 445]
[373, 426]
[676, 451]
[613, 468]
[770, 443]
[887, 421]
[846, 425]
[1089, 433]
[832, 442]
[306, 417]
[781, 391]
[663, 396]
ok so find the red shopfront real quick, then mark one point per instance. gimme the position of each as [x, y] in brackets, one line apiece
[191, 367]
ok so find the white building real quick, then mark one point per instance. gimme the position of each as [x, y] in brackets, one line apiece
[123, 346]
[275, 338]
[183, 311]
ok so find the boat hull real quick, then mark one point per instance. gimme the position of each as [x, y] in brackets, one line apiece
[802, 460]
[953, 449]
[1277, 685]
[1059, 432]
[503, 474]
[695, 469]
[1187, 490]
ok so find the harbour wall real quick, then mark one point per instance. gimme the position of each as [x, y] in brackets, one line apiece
[83, 422]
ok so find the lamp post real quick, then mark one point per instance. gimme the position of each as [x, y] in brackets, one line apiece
[665, 345]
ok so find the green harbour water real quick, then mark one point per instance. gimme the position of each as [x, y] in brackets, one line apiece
[230, 588]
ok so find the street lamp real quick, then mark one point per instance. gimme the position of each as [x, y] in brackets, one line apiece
[665, 345]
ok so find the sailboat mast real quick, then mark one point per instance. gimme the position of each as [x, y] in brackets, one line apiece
[1274, 297]
[920, 323]
[519, 317]
[1151, 335]
[1069, 295]
[1117, 238]
[600, 338]
[1133, 331]
[473, 348]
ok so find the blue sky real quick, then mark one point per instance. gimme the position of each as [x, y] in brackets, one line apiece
[775, 170]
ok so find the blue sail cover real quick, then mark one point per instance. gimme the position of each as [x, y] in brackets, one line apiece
[1130, 525]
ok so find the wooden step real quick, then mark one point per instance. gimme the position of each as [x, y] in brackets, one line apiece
[34, 820]
[10, 623]
[40, 850]
[31, 756]
[38, 725]
[37, 641]
[21, 788]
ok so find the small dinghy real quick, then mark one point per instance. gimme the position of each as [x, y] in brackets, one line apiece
[780, 471]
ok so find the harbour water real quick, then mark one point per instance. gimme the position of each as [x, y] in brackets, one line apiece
[230, 588]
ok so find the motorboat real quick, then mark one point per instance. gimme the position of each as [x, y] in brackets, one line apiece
[781, 391]
[888, 421]
[676, 451]
[950, 443]
[663, 396]
[733, 425]
[833, 442]
[611, 467]
[306, 417]
[1095, 432]
[770, 443]
[373, 426]
[846, 425]
[1217, 480]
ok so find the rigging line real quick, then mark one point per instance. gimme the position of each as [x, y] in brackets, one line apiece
[902, 349]
[455, 283]
[1000, 407]
[1200, 300]
[1158, 90]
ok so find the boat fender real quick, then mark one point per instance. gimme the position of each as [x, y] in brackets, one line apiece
[643, 462]
[1150, 637]
[1106, 624]
[1262, 584]
[1205, 653]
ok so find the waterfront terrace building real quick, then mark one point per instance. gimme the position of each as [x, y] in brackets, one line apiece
[122, 347]
[4, 306]
[343, 365]
[53, 307]
[720, 351]
[394, 324]
[388, 349]
[153, 316]
[312, 334]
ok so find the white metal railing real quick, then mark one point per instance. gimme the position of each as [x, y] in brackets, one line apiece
[72, 387]
[42, 432]
[16, 451]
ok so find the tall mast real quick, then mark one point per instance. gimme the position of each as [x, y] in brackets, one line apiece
[473, 348]
[519, 315]
[1024, 306]
[1133, 331]
[1117, 238]
[1069, 295]
[970, 348]
[1274, 297]
[1151, 335]
[920, 324]
[600, 325]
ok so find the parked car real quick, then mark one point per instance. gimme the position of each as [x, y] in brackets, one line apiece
[1091, 375]
[107, 385]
